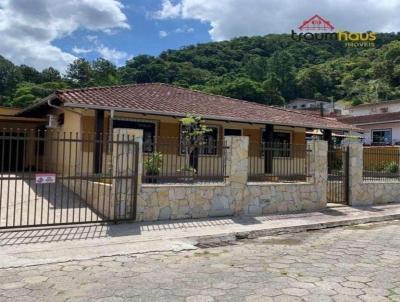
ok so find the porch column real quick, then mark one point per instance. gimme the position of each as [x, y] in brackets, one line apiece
[237, 161]
[268, 139]
[98, 146]
[328, 137]
[356, 191]
[318, 168]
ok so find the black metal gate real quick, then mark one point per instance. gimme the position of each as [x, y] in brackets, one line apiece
[338, 175]
[47, 178]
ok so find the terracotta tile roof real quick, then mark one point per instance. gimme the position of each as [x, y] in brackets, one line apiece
[164, 99]
[372, 118]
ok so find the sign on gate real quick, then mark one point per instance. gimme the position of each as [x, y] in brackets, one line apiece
[45, 178]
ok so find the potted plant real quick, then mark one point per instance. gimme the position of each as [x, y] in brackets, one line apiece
[152, 166]
[193, 132]
[186, 173]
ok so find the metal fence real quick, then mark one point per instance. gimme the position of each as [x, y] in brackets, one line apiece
[48, 178]
[165, 161]
[277, 162]
[338, 174]
[381, 163]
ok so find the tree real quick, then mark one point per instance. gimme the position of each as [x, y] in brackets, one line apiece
[80, 73]
[10, 76]
[281, 64]
[244, 89]
[271, 90]
[193, 132]
[257, 68]
[311, 81]
[30, 74]
[50, 75]
[271, 69]
[104, 73]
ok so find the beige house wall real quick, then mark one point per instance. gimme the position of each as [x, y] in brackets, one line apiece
[9, 111]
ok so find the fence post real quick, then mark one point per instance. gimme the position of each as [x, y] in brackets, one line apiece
[123, 165]
[355, 171]
[319, 167]
[237, 157]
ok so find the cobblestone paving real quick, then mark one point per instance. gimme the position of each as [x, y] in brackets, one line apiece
[359, 263]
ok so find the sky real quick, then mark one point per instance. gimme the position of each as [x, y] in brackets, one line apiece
[43, 33]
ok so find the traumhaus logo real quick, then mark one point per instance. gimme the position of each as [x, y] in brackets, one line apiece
[319, 29]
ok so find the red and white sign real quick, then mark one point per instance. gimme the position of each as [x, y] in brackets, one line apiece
[316, 23]
[45, 178]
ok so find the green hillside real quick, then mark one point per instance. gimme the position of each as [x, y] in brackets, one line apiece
[270, 69]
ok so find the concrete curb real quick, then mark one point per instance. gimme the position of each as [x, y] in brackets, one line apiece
[229, 237]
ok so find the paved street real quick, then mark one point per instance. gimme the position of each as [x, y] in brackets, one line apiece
[358, 263]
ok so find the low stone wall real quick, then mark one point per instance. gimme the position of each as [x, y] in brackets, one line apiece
[163, 202]
[283, 198]
[368, 192]
[235, 196]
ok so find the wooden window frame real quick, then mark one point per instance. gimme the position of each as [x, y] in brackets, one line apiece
[155, 122]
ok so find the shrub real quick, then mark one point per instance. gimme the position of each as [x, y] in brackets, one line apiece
[153, 163]
[392, 167]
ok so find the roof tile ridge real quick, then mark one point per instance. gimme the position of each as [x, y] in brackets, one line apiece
[98, 87]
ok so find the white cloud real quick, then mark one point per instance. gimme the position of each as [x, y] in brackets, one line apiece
[232, 18]
[112, 54]
[79, 50]
[29, 28]
[162, 34]
[168, 10]
[184, 29]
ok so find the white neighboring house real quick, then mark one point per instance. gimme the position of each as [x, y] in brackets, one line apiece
[311, 105]
[381, 122]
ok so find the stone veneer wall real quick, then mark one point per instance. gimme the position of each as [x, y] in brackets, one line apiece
[368, 192]
[236, 196]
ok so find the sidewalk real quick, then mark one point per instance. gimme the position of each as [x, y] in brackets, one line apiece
[61, 244]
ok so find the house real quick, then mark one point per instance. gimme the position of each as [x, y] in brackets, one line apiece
[311, 106]
[117, 153]
[157, 108]
[380, 121]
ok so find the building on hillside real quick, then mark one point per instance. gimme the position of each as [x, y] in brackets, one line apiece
[312, 106]
[375, 108]
[380, 121]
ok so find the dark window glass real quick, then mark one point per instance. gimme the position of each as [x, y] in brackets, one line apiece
[210, 142]
[149, 131]
[382, 137]
[281, 144]
[232, 132]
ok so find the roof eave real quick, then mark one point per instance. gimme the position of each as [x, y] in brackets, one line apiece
[211, 117]
[45, 100]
